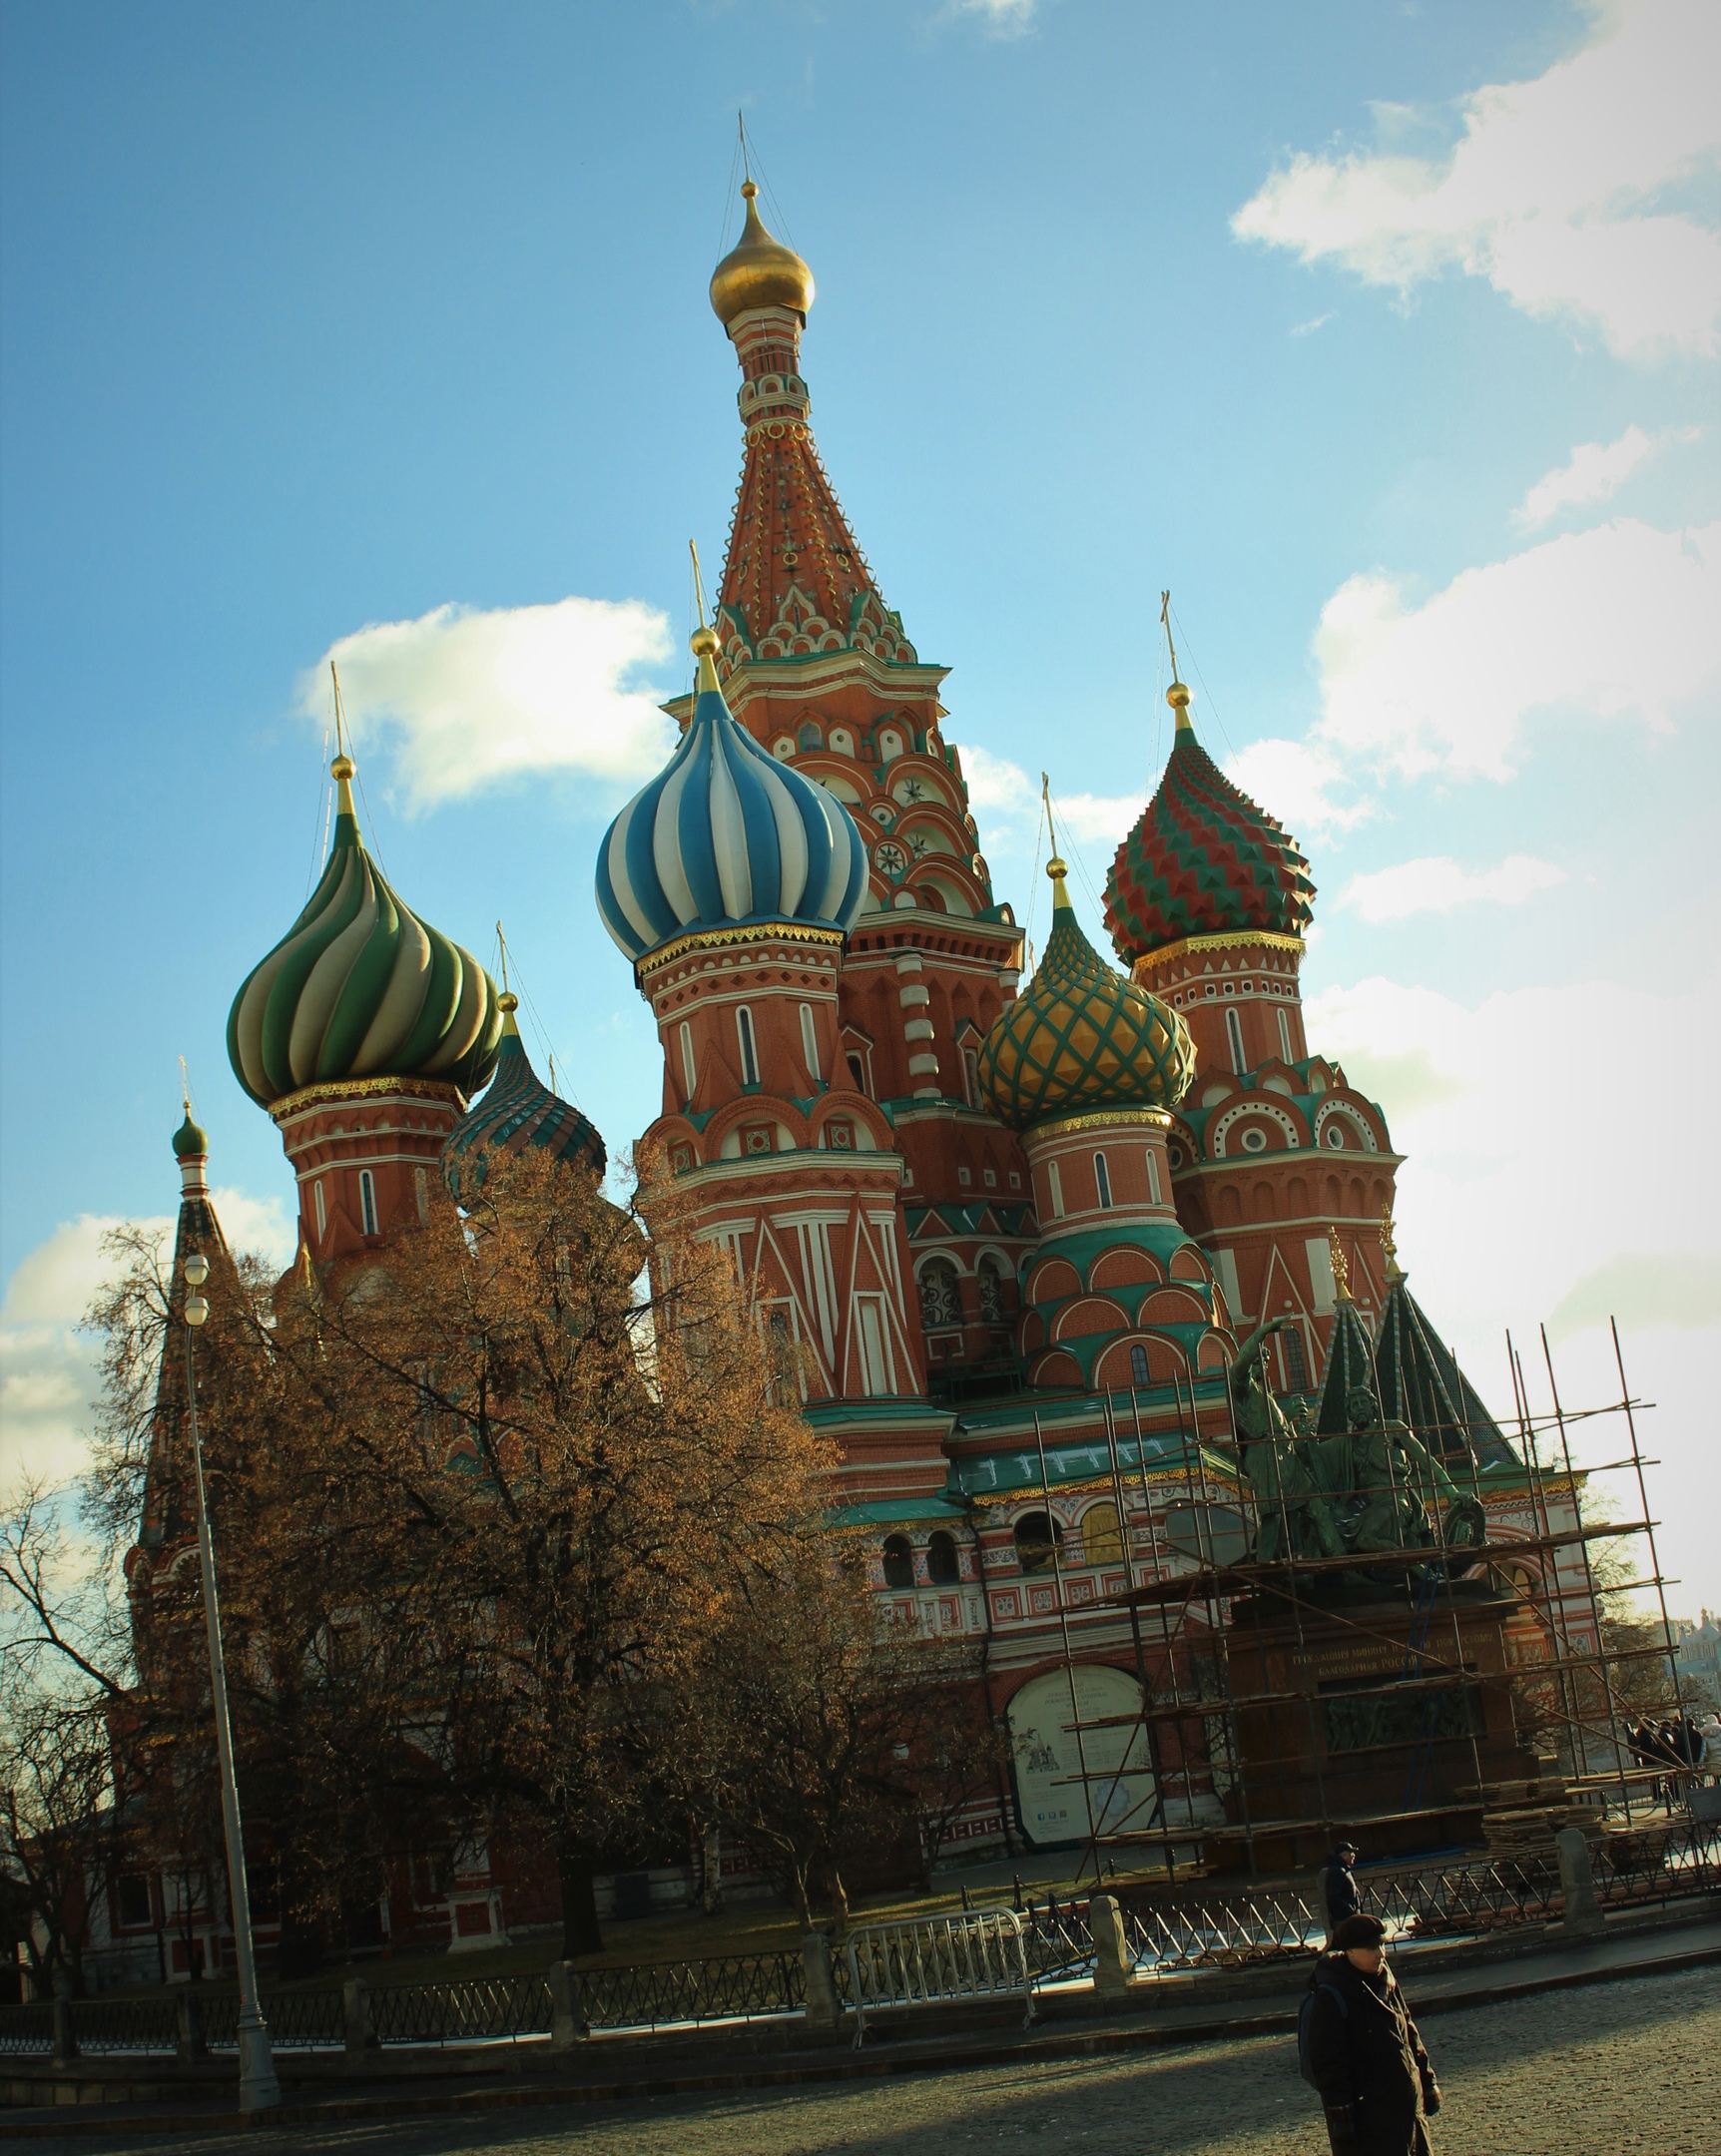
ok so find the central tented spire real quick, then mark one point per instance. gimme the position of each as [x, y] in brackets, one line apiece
[795, 583]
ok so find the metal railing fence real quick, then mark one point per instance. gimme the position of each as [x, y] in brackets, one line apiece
[977, 1955]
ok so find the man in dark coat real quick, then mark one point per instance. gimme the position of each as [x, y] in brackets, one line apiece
[1338, 1887]
[1371, 2071]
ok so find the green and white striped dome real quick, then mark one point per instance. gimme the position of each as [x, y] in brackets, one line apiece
[360, 987]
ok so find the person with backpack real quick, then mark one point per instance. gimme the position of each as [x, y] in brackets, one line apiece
[1359, 2049]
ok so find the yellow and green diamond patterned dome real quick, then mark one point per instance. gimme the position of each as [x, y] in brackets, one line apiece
[1081, 1036]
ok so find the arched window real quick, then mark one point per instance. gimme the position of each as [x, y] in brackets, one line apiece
[322, 1212]
[1296, 1363]
[1055, 1183]
[941, 1566]
[749, 1055]
[689, 1069]
[1284, 1036]
[899, 1562]
[1102, 1179]
[1138, 1364]
[991, 1286]
[367, 1200]
[1034, 1548]
[940, 1298]
[1153, 1178]
[1101, 1536]
[972, 1077]
[1234, 1034]
[809, 1043]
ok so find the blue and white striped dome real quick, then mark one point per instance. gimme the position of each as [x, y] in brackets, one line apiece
[724, 836]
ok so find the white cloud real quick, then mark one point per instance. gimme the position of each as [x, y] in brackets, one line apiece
[1612, 623]
[1294, 781]
[1003, 18]
[1594, 471]
[48, 1377]
[466, 700]
[1435, 884]
[1552, 193]
[1307, 328]
[1517, 1206]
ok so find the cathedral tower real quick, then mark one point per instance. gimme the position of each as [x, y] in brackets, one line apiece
[363, 1033]
[1276, 1157]
[820, 672]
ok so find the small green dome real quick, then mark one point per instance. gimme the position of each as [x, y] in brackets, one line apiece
[189, 1139]
[360, 987]
[1081, 1037]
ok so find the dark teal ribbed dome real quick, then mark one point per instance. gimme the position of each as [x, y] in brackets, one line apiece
[518, 1111]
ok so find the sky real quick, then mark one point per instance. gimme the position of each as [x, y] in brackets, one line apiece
[1385, 336]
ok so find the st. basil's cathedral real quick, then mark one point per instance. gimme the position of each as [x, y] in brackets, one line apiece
[1017, 1232]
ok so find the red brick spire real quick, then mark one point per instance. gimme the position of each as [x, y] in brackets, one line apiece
[793, 581]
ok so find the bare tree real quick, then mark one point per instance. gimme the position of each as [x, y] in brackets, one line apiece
[825, 1733]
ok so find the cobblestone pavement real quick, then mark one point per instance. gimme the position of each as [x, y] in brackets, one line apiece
[1601, 2070]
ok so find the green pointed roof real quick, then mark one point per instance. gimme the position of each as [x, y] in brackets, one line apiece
[1350, 1362]
[1081, 1036]
[360, 987]
[1422, 1384]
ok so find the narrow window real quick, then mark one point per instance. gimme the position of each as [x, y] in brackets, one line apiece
[941, 1566]
[421, 1189]
[972, 1077]
[899, 1562]
[810, 1042]
[321, 1213]
[1102, 1179]
[749, 1058]
[1296, 1364]
[1054, 1183]
[367, 1200]
[1035, 1542]
[1285, 1038]
[1153, 1179]
[1138, 1365]
[689, 1069]
[1234, 1034]
[858, 1071]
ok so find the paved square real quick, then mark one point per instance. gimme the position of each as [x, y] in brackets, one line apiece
[1600, 2070]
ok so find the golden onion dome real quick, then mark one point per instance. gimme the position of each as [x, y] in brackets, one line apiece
[759, 270]
[1081, 1036]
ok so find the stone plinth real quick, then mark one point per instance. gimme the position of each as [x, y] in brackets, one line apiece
[1361, 1707]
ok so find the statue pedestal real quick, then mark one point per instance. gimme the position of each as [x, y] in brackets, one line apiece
[1359, 1706]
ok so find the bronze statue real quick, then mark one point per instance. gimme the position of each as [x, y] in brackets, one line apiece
[1368, 1487]
[1383, 1483]
[1296, 1518]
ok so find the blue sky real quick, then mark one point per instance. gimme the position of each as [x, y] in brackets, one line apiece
[1385, 336]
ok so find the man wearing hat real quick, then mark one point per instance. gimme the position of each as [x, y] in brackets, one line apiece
[1365, 2056]
[1338, 1889]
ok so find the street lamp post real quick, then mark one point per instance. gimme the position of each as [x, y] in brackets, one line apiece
[258, 2089]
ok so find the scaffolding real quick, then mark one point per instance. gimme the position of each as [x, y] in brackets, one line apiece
[1183, 1617]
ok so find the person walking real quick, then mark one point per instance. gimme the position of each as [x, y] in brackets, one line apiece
[1365, 2056]
[1338, 1889]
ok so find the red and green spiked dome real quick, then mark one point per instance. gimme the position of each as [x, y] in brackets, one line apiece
[360, 987]
[1203, 860]
[518, 1111]
[1081, 1036]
